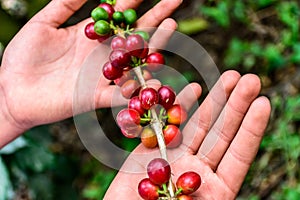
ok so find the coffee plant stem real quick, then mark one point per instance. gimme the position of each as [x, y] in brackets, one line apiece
[157, 127]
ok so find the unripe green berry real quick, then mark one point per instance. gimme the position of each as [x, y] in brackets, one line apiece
[143, 34]
[118, 17]
[130, 16]
[99, 14]
[102, 27]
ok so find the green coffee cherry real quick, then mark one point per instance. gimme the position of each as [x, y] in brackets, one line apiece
[130, 16]
[118, 17]
[102, 27]
[99, 14]
[143, 34]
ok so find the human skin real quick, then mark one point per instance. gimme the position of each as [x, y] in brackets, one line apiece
[238, 123]
[41, 65]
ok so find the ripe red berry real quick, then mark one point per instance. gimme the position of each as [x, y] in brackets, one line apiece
[135, 45]
[132, 132]
[119, 58]
[148, 97]
[128, 119]
[118, 42]
[159, 171]
[125, 77]
[147, 75]
[172, 136]
[188, 182]
[136, 104]
[103, 38]
[130, 88]
[176, 114]
[110, 72]
[89, 31]
[145, 52]
[108, 8]
[148, 190]
[148, 137]
[155, 61]
[166, 96]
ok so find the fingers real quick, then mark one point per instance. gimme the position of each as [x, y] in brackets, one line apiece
[241, 152]
[189, 95]
[158, 13]
[162, 34]
[58, 11]
[125, 4]
[226, 126]
[201, 121]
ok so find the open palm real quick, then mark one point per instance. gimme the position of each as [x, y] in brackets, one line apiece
[42, 63]
[220, 141]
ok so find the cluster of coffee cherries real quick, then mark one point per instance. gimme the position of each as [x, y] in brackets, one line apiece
[130, 64]
[159, 174]
[134, 120]
[107, 21]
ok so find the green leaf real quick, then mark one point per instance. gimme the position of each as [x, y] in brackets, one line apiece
[264, 3]
[235, 52]
[220, 13]
[273, 56]
[5, 186]
[35, 158]
[239, 11]
[192, 26]
[295, 57]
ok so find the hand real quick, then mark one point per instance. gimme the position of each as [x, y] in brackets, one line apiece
[41, 65]
[220, 141]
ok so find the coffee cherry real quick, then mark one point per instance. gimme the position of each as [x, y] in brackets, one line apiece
[119, 58]
[118, 42]
[184, 197]
[110, 72]
[166, 96]
[103, 38]
[172, 136]
[155, 61]
[102, 27]
[135, 45]
[159, 171]
[125, 77]
[130, 16]
[145, 52]
[148, 137]
[129, 87]
[147, 75]
[188, 182]
[132, 132]
[136, 104]
[148, 190]
[99, 14]
[118, 17]
[108, 8]
[148, 97]
[89, 31]
[143, 34]
[176, 114]
[128, 119]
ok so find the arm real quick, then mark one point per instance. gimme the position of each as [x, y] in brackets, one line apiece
[8, 127]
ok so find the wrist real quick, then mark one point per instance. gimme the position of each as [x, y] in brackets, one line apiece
[9, 129]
